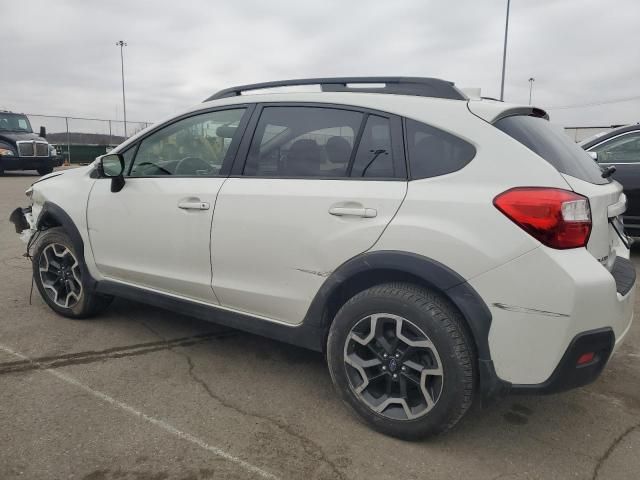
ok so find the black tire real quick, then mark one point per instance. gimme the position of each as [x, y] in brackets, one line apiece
[420, 310]
[83, 303]
[45, 170]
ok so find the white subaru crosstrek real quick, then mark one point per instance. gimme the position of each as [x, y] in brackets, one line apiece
[435, 247]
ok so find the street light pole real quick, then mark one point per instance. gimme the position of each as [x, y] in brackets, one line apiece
[531, 80]
[122, 44]
[504, 51]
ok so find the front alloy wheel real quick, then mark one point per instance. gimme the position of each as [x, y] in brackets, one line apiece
[60, 275]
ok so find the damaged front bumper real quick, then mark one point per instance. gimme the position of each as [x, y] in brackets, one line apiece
[24, 223]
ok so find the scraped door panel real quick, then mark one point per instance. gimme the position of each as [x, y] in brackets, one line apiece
[275, 241]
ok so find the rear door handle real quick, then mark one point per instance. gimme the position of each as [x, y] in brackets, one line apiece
[353, 212]
[193, 205]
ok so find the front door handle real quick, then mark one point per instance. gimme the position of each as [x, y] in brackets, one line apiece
[353, 212]
[193, 205]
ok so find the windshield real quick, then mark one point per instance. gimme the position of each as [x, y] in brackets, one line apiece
[552, 144]
[14, 123]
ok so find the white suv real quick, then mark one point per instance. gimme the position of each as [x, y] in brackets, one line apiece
[436, 248]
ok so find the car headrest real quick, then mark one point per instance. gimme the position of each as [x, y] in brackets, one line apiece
[338, 149]
[304, 158]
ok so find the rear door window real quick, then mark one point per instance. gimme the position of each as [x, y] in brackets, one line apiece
[434, 152]
[552, 144]
[303, 142]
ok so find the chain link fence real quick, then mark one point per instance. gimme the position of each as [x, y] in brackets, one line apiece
[81, 140]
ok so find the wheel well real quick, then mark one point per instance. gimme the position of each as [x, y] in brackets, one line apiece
[47, 221]
[364, 280]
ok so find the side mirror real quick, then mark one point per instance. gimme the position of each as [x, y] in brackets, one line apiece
[43, 132]
[112, 166]
[593, 155]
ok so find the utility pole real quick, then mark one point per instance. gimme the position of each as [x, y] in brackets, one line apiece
[504, 51]
[122, 44]
[531, 80]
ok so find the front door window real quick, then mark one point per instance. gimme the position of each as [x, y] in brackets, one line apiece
[194, 146]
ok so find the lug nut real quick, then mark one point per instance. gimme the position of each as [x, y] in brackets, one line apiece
[404, 369]
[384, 367]
[385, 355]
[395, 375]
[397, 355]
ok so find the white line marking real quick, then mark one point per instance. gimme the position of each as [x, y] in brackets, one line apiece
[158, 423]
[634, 355]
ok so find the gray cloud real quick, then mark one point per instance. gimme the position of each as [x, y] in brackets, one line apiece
[60, 57]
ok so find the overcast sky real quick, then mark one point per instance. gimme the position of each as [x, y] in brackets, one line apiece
[60, 57]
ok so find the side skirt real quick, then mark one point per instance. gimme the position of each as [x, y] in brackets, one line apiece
[304, 335]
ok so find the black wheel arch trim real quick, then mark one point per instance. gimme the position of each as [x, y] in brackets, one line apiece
[51, 210]
[432, 272]
[438, 276]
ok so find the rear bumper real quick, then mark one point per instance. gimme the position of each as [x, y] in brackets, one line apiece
[544, 305]
[568, 374]
[624, 274]
[29, 163]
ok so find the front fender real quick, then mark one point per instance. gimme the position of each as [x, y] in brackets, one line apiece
[52, 215]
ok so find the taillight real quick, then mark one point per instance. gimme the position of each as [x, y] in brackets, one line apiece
[557, 218]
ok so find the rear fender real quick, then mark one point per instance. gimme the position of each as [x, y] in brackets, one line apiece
[430, 273]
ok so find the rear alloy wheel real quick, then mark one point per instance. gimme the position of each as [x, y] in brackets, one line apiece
[59, 274]
[401, 358]
[393, 367]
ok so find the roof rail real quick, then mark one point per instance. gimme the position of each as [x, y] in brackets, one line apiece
[418, 86]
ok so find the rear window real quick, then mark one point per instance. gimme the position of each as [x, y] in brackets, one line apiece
[552, 144]
[433, 152]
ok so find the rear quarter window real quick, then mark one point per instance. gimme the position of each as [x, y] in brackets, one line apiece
[553, 145]
[433, 152]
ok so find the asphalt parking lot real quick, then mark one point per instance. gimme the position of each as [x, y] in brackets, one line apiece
[143, 394]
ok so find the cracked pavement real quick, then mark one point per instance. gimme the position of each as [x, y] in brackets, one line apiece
[268, 404]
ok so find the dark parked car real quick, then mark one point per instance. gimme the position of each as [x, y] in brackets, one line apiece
[21, 149]
[621, 148]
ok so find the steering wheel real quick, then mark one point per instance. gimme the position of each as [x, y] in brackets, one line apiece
[190, 165]
[162, 169]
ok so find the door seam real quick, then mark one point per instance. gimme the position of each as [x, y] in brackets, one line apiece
[213, 215]
[406, 191]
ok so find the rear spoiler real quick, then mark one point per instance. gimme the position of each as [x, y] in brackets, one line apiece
[492, 111]
[527, 111]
